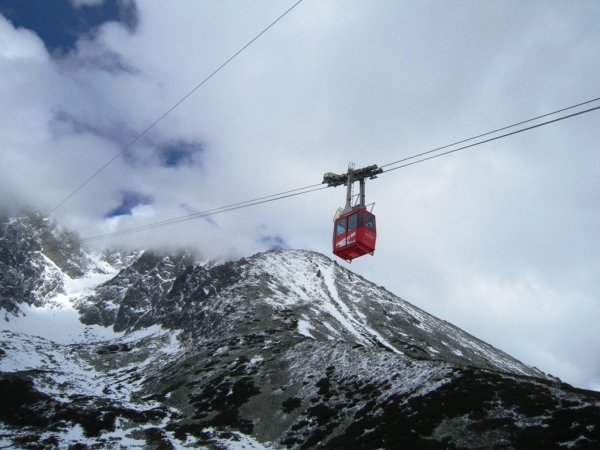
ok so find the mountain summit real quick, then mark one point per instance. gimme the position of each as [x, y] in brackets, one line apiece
[284, 349]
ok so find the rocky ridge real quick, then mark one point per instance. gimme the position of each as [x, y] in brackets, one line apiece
[35, 254]
[285, 349]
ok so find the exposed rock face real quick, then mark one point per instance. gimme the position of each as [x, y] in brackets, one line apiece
[35, 254]
[129, 299]
[285, 349]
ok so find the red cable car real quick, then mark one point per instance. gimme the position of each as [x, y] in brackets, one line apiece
[354, 234]
[354, 231]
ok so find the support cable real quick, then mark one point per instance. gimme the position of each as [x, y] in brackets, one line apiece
[172, 108]
[491, 132]
[486, 140]
[307, 189]
[210, 212]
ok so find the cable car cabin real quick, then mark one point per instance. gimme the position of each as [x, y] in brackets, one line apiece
[354, 235]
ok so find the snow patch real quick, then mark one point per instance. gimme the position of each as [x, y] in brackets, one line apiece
[304, 328]
[238, 442]
[58, 324]
[143, 333]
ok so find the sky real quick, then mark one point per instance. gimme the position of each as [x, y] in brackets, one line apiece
[500, 239]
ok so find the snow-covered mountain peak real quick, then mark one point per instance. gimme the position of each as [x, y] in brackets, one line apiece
[305, 292]
[328, 302]
[283, 349]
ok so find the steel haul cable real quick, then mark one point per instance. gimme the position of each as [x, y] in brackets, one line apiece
[484, 141]
[492, 132]
[210, 212]
[307, 189]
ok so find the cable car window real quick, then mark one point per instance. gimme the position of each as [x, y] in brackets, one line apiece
[352, 221]
[360, 219]
[370, 221]
[340, 227]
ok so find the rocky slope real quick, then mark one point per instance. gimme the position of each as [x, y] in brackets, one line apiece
[285, 349]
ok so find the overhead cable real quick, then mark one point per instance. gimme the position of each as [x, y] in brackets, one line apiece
[307, 189]
[486, 140]
[490, 132]
[173, 107]
[246, 204]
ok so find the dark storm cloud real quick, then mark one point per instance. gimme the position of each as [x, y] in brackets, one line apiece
[60, 23]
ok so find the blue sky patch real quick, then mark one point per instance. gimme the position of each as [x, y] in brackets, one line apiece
[59, 23]
[130, 199]
[179, 153]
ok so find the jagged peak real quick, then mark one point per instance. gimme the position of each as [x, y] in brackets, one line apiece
[306, 292]
[284, 337]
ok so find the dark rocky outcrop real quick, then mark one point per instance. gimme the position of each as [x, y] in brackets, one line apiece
[129, 300]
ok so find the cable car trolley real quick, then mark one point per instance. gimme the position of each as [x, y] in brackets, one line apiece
[354, 230]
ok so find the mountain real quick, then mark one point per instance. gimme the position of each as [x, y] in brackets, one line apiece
[284, 349]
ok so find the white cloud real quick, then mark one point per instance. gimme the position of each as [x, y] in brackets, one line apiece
[20, 45]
